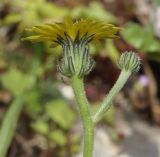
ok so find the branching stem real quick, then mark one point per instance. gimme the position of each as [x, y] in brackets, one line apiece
[123, 77]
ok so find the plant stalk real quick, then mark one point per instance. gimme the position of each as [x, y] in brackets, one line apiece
[107, 102]
[9, 124]
[88, 126]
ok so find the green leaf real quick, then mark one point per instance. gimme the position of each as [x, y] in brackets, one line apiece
[141, 37]
[133, 34]
[11, 18]
[108, 116]
[50, 9]
[16, 82]
[40, 126]
[58, 137]
[94, 10]
[61, 113]
[33, 107]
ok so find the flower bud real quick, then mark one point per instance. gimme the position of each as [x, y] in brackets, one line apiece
[129, 61]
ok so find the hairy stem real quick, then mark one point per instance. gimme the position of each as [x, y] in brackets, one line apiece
[123, 77]
[9, 124]
[78, 87]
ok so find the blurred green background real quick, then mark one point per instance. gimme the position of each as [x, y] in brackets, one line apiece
[48, 123]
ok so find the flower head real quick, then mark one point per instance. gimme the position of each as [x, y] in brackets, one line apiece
[88, 28]
[74, 38]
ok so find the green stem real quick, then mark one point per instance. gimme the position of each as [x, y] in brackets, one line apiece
[78, 87]
[123, 77]
[9, 124]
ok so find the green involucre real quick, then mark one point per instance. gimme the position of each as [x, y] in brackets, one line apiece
[129, 61]
[76, 59]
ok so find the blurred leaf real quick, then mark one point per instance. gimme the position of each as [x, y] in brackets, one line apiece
[29, 12]
[156, 2]
[113, 52]
[108, 116]
[94, 10]
[51, 9]
[75, 140]
[133, 34]
[75, 148]
[11, 18]
[48, 91]
[16, 82]
[58, 137]
[141, 37]
[61, 113]
[33, 106]
[41, 127]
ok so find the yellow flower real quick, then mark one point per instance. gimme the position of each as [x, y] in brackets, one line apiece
[55, 33]
[74, 38]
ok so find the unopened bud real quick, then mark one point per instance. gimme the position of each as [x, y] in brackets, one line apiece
[129, 61]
